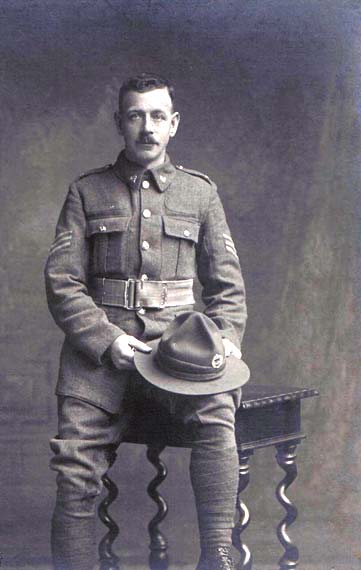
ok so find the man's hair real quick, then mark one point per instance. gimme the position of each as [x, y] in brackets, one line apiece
[142, 83]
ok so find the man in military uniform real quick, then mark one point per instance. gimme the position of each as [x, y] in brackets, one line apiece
[130, 239]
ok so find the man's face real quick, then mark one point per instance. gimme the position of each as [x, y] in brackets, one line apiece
[147, 122]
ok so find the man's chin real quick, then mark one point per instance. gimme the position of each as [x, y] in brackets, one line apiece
[147, 155]
[152, 152]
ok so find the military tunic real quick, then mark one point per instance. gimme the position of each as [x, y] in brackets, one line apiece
[126, 222]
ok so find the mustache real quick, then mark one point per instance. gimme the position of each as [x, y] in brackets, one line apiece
[146, 140]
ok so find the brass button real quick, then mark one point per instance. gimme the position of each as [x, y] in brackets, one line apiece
[141, 312]
[186, 233]
[144, 277]
[145, 184]
[145, 245]
[103, 228]
[146, 213]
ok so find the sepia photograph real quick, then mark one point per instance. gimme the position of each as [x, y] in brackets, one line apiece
[180, 282]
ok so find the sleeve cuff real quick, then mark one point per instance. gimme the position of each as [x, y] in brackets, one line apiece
[98, 349]
[106, 356]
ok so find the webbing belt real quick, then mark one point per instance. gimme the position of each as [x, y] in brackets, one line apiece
[134, 294]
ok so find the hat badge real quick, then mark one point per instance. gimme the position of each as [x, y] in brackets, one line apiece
[217, 361]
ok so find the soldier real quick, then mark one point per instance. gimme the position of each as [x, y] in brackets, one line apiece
[130, 239]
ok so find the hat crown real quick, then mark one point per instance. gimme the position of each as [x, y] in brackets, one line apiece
[191, 348]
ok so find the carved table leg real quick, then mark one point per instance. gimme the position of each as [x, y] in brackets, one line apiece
[108, 560]
[158, 558]
[243, 512]
[286, 459]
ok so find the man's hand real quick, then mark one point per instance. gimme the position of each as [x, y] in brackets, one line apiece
[230, 348]
[122, 351]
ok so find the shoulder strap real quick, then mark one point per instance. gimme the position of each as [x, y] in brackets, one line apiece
[194, 173]
[95, 171]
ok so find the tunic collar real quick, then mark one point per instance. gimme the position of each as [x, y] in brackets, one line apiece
[133, 173]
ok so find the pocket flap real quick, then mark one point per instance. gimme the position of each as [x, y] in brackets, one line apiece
[107, 225]
[181, 228]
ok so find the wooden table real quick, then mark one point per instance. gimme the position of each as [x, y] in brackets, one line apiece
[268, 416]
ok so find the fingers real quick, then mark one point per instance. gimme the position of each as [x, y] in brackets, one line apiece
[231, 349]
[122, 351]
[127, 352]
[227, 350]
[123, 358]
[139, 345]
[237, 353]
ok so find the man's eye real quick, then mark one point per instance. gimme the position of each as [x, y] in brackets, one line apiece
[133, 116]
[158, 116]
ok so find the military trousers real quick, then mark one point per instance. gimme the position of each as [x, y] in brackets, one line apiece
[87, 436]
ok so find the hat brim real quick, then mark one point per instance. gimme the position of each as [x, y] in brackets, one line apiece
[235, 375]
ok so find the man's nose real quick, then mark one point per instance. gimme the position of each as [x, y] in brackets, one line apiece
[148, 126]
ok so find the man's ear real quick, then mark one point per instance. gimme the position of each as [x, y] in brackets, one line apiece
[174, 124]
[118, 122]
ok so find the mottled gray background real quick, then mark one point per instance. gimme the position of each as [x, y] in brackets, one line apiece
[269, 92]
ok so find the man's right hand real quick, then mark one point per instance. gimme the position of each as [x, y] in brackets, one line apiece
[122, 351]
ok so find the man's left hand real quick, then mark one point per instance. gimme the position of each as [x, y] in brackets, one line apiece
[230, 348]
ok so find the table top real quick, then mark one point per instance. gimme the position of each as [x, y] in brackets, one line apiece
[258, 395]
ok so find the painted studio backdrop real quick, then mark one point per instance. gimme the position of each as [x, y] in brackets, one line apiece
[269, 93]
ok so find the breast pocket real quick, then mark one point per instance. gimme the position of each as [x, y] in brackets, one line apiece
[179, 253]
[108, 238]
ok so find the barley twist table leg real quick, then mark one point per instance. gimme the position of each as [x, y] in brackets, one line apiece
[158, 558]
[286, 459]
[108, 560]
[243, 512]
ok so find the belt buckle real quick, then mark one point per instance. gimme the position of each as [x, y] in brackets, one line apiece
[130, 295]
